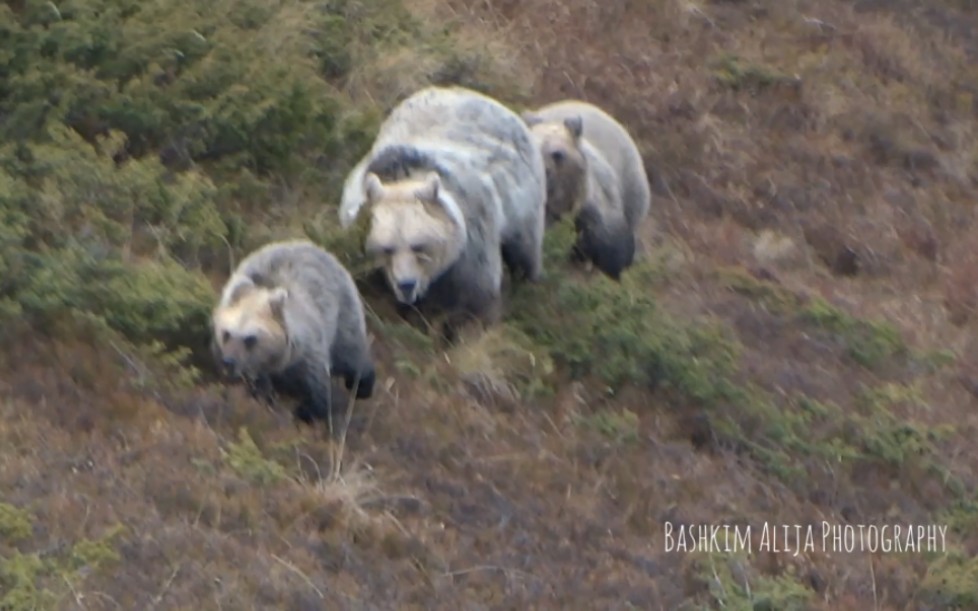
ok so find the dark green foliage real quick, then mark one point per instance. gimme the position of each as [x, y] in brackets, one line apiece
[731, 585]
[237, 79]
[950, 582]
[733, 72]
[868, 343]
[85, 236]
[38, 580]
[15, 523]
[594, 325]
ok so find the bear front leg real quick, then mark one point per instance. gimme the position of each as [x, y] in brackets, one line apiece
[350, 357]
[582, 250]
[360, 374]
[486, 311]
[304, 414]
[523, 255]
[365, 384]
[577, 255]
[262, 389]
[317, 399]
[614, 252]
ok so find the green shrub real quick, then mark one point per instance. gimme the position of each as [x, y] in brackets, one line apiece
[868, 343]
[733, 72]
[615, 331]
[238, 80]
[37, 581]
[619, 427]
[15, 523]
[19, 574]
[950, 582]
[246, 458]
[747, 591]
[87, 237]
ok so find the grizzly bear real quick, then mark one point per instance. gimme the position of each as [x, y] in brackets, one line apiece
[455, 189]
[289, 318]
[595, 173]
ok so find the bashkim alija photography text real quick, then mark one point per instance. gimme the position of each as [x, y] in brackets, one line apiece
[797, 539]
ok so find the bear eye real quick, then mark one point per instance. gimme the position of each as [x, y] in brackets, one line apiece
[250, 341]
[557, 156]
[374, 249]
[418, 249]
[225, 337]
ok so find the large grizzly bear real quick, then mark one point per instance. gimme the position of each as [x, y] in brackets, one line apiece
[290, 317]
[455, 188]
[594, 172]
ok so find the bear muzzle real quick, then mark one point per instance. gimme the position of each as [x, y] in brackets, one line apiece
[230, 367]
[234, 370]
[407, 291]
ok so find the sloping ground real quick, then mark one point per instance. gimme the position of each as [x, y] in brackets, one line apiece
[796, 346]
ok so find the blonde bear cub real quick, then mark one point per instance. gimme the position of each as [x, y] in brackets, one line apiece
[595, 173]
[290, 317]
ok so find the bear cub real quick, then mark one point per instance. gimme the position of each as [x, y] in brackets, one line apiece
[595, 173]
[289, 318]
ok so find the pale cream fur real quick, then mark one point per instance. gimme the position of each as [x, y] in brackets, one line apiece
[415, 231]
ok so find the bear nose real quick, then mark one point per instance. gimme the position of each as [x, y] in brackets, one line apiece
[407, 287]
[229, 364]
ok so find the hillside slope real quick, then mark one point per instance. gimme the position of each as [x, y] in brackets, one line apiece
[797, 345]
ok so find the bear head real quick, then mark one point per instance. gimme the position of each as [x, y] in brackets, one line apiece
[250, 334]
[417, 231]
[566, 167]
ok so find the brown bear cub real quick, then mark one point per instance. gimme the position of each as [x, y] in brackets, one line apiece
[288, 319]
[595, 173]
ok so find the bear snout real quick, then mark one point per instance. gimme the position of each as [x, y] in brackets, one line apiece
[407, 291]
[230, 366]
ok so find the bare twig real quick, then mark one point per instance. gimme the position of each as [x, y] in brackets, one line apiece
[340, 449]
[719, 582]
[166, 586]
[821, 25]
[301, 455]
[490, 567]
[695, 10]
[304, 577]
[105, 596]
[872, 574]
[74, 593]
[231, 264]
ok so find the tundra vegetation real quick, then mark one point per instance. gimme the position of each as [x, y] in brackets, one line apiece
[795, 344]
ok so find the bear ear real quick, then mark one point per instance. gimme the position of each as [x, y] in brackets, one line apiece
[575, 125]
[428, 192]
[373, 187]
[236, 288]
[276, 300]
[530, 118]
